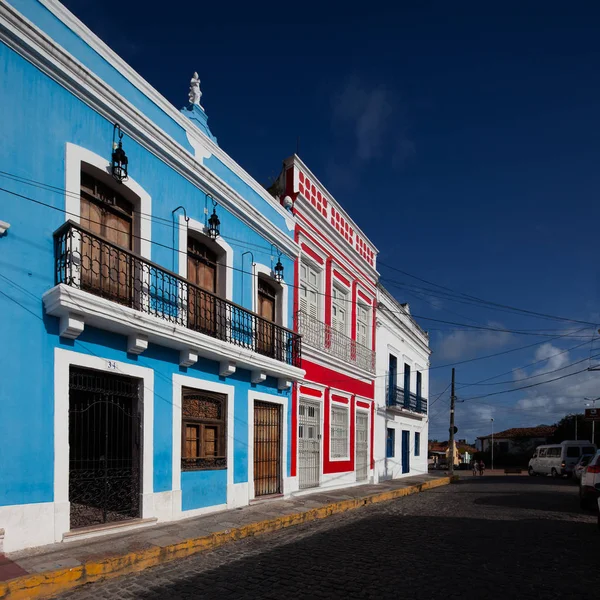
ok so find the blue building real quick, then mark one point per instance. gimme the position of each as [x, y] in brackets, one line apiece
[146, 363]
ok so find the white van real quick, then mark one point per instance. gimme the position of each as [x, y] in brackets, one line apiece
[559, 459]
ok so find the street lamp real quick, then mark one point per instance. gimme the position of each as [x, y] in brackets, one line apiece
[592, 403]
[492, 420]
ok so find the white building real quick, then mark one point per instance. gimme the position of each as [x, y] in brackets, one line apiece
[401, 391]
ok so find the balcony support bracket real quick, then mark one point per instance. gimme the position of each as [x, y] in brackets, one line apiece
[137, 343]
[71, 326]
[283, 384]
[227, 368]
[257, 376]
[188, 357]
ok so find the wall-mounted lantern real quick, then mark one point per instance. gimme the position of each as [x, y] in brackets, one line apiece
[278, 270]
[119, 158]
[214, 224]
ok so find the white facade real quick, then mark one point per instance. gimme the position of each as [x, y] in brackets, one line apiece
[401, 421]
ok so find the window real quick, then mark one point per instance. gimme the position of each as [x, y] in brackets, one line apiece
[362, 325]
[339, 432]
[573, 452]
[390, 445]
[309, 290]
[542, 453]
[417, 444]
[503, 447]
[339, 308]
[588, 450]
[419, 384]
[203, 430]
[406, 385]
[392, 379]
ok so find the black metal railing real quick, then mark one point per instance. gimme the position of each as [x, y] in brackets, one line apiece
[88, 262]
[397, 397]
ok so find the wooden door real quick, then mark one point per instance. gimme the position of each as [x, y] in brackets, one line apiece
[265, 340]
[106, 268]
[202, 272]
[267, 449]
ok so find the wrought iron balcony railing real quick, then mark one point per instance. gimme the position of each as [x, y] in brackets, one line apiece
[324, 337]
[401, 398]
[88, 262]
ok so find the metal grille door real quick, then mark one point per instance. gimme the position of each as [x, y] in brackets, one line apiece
[362, 446]
[267, 449]
[309, 445]
[104, 448]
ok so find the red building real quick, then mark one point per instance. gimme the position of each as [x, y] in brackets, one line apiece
[334, 310]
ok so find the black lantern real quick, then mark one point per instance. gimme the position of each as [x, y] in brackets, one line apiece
[278, 270]
[119, 158]
[214, 223]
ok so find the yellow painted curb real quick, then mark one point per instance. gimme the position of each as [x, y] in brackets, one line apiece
[43, 585]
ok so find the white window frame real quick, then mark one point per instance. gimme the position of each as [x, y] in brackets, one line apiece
[366, 323]
[318, 289]
[343, 306]
[345, 407]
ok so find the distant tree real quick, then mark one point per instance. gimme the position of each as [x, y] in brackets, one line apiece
[565, 429]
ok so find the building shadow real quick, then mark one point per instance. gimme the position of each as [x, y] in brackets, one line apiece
[397, 556]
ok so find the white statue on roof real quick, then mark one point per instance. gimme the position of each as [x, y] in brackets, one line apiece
[195, 93]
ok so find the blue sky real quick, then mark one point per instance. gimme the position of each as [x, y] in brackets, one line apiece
[464, 139]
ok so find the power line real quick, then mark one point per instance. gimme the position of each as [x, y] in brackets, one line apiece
[525, 387]
[348, 301]
[487, 302]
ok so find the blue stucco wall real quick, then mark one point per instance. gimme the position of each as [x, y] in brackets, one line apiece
[34, 148]
[200, 489]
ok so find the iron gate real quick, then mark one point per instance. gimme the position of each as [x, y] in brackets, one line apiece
[267, 448]
[104, 448]
[309, 445]
[362, 446]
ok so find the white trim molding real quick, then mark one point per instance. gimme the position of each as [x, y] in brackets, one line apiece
[4, 227]
[287, 485]
[98, 312]
[75, 157]
[63, 360]
[36, 46]
[282, 307]
[226, 268]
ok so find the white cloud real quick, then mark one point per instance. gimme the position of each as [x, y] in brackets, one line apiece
[465, 343]
[373, 115]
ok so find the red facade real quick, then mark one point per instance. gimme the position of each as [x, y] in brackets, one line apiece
[334, 308]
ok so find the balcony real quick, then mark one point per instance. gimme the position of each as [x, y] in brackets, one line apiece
[396, 397]
[323, 337]
[115, 289]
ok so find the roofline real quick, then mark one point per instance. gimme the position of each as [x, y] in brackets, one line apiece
[295, 159]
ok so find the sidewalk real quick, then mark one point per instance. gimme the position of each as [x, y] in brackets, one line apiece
[44, 571]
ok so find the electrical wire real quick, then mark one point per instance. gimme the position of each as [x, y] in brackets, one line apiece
[348, 301]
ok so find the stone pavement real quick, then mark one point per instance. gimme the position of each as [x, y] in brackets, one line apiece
[492, 538]
[54, 568]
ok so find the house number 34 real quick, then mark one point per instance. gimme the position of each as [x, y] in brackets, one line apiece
[111, 364]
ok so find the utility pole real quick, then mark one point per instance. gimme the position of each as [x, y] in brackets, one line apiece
[492, 444]
[451, 438]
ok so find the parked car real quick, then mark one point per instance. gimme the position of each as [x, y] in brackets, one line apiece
[582, 463]
[589, 488]
[558, 459]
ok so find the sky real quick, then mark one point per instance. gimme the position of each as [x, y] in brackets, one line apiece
[463, 138]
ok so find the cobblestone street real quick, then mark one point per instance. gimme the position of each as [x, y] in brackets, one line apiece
[497, 537]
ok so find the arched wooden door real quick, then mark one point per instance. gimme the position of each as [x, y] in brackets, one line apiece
[265, 334]
[105, 269]
[202, 272]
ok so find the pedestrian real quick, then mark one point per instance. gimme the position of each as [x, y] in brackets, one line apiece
[481, 467]
[475, 467]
